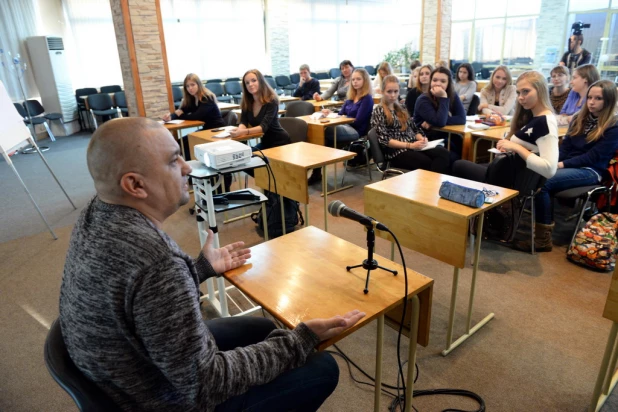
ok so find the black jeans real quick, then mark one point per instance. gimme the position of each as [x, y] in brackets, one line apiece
[436, 160]
[302, 389]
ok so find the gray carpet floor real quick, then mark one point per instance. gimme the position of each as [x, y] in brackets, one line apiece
[540, 353]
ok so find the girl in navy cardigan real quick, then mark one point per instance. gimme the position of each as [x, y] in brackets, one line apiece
[439, 107]
[584, 155]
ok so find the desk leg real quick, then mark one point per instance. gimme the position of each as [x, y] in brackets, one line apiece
[265, 221]
[325, 194]
[182, 145]
[451, 315]
[469, 330]
[412, 353]
[448, 143]
[335, 188]
[474, 147]
[306, 215]
[282, 213]
[335, 164]
[604, 373]
[378, 382]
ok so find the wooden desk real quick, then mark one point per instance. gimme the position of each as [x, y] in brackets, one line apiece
[495, 134]
[466, 135]
[316, 131]
[433, 226]
[608, 376]
[480, 84]
[323, 104]
[176, 128]
[294, 292]
[287, 99]
[227, 106]
[207, 136]
[290, 164]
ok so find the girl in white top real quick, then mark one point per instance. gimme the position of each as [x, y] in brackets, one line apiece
[465, 86]
[499, 95]
[384, 69]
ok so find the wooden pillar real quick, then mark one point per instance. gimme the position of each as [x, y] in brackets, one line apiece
[143, 58]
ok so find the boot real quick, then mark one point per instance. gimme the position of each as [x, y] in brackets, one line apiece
[316, 176]
[542, 239]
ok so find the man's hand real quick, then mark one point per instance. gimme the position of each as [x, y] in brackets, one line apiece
[328, 328]
[225, 258]
[317, 97]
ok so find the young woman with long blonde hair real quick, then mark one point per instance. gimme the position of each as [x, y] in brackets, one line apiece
[499, 95]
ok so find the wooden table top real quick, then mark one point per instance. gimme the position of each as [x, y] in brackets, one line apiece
[227, 106]
[332, 122]
[466, 129]
[307, 155]
[317, 106]
[239, 112]
[285, 99]
[296, 283]
[423, 187]
[498, 133]
[208, 136]
[184, 125]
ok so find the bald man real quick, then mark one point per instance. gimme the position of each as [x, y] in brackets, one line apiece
[129, 301]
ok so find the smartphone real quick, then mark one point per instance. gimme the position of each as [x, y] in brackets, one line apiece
[324, 120]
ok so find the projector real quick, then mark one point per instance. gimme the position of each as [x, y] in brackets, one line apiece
[223, 154]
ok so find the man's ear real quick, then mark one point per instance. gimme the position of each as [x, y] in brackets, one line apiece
[133, 185]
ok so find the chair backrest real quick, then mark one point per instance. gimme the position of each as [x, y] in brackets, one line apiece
[334, 73]
[111, 89]
[283, 81]
[371, 70]
[374, 148]
[298, 108]
[20, 109]
[101, 101]
[214, 81]
[121, 100]
[177, 93]
[474, 105]
[216, 88]
[295, 78]
[86, 395]
[271, 82]
[230, 118]
[296, 128]
[321, 76]
[233, 87]
[237, 79]
[85, 91]
[34, 107]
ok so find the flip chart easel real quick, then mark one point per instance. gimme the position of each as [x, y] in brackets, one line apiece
[14, 135]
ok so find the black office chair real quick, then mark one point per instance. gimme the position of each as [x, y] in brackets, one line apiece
[36, 109]
[80, 96]
[296, 128]
[101, 105]
[284, 83]
[334, 73]
[121, 103]
[230, 118]
[378, 157]
[474, 105]
[34, 121]
[217, 89]
[214, 81]
[371, 70]
[111, 89]
[322, 76]
[271, 82]
[295, 78]
[237, 79]
[298, 108]
[87, 396]
[234, 89]
[177, 96]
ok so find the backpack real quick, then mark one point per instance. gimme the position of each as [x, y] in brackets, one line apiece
[612, 170]
[509, 171]
[594, 245]
[291, 209]
[359, 147]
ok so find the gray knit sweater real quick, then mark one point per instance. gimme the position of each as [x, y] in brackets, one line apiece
[130, 317]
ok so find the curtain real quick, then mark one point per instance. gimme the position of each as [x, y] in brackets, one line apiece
[18, 21]
[91, 43]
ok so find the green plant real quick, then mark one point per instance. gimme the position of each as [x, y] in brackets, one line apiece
[402, 57]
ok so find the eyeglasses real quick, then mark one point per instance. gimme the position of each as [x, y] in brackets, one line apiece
[489, 193]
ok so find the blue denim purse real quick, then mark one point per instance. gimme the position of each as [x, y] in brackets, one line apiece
[461, 194]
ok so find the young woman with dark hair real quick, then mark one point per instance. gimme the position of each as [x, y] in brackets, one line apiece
[401, 140]
[465, 86]
[340, 85]
[582, 78]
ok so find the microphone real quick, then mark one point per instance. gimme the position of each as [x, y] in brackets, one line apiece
[338, 209]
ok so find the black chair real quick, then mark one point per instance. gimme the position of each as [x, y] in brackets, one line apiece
[314, 75]
[36, 109]
[101, 105]
[334, 73]
[371, 70]
[86, 394]
[378, 157]
[296, 128]
[33, 121]
[121, 103]
[80, 95]
[322, 76]
[474, 105]
[295, 78]
[233, 79]
[273, 84]
[217, 89]
[111, 89]
[284, 83]
[234, 89]
[298, 108]
[230, 118]
[177, 96]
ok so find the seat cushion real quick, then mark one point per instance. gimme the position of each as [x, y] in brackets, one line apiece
[104, 112]
[53, 116]
[36, 120]
[576, 192]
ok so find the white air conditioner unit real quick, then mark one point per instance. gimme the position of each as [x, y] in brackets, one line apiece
[51, 73]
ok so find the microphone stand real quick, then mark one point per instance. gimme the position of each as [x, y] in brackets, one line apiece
[370, 263]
